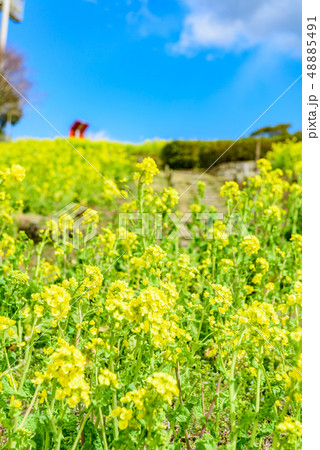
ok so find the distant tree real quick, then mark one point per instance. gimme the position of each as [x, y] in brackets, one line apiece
[13, 73]
[298, 135]
[278, 130]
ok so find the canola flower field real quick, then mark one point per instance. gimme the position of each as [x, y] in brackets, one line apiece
[59, 173]
[135, 340]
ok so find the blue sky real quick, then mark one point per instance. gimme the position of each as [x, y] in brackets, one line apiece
[160, 68]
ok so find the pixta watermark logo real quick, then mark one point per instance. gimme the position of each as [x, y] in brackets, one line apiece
[185, 226]
[74, 224]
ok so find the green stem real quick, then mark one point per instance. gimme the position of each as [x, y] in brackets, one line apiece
[139, 358]
[201, 322]
[28, 361]
[275, 441]
[53, 397]
[9, 368]
[140, 204]
[103, 430]
[223, 367]
[81, 429]
[47, 441]
[150, 424]
[60, 435]
[257, 407]
[233, 403]
[29, 408]
[232, 396]
[39, 252]
[114, 403]
[51, 418]
[270, 388]
[57, 447]
[256, 420]
[28, 357]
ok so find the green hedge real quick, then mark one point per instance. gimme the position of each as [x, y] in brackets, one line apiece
[201, 154]
[181, 154]
[226, 151]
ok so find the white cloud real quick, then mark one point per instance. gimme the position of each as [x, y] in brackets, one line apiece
[148, 23]
[240, 25]
[100, 135]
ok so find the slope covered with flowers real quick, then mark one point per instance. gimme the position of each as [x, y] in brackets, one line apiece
[144, 340]
[61, 171]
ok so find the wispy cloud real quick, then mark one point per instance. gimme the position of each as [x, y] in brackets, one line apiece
[100, 135]
[235, 25]
[148, 23]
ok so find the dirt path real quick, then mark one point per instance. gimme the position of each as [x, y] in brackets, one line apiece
[183, 180]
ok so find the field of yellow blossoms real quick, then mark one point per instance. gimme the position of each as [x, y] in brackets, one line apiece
[139, 339]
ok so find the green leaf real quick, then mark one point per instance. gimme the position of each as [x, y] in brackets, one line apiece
[246, 421]
[7, 389]
[198, 413]
[194, 330]
[92, 437]
[43, 427]
[28, 388]
[32, 423]
[206, 443]
[175, 446]
[70, 425]
[183, 415]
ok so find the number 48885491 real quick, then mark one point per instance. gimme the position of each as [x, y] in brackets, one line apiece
[311, 47]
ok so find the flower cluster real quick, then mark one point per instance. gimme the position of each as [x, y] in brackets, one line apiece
[91, 284]
[165, 385]
[231, 190]
[67, 366]
[160, 388]
[58, 300]
[6, 324]
[250, 245]
[147, 170]
[291, 429]
[124, 415]
[108, 378]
